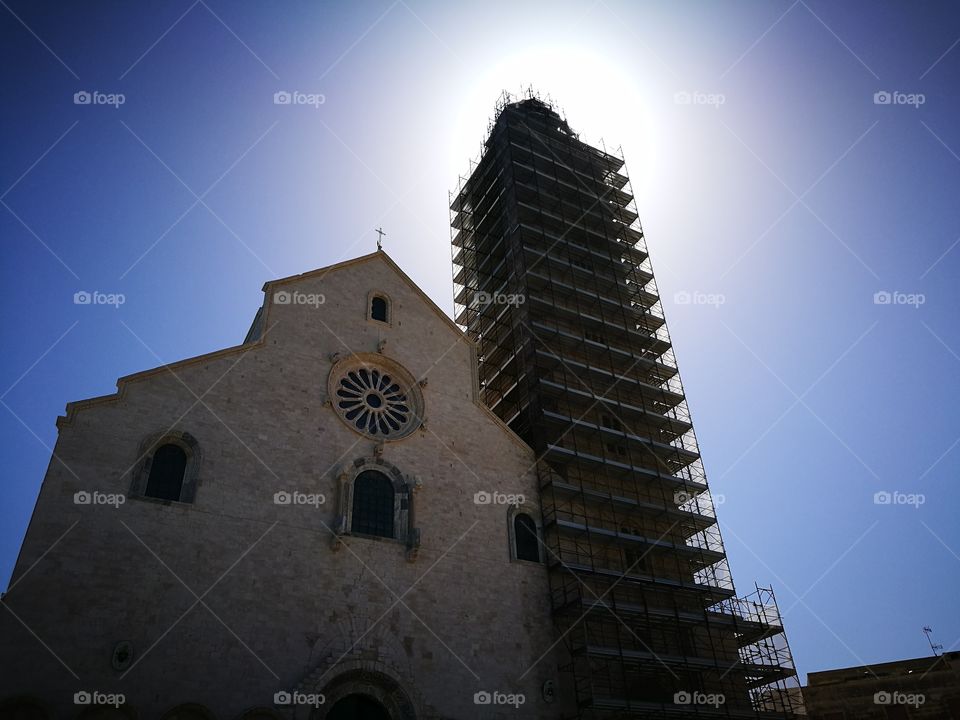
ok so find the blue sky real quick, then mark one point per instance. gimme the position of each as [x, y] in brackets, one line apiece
[779, 193]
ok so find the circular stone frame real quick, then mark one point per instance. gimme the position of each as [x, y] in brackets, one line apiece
[375, 396]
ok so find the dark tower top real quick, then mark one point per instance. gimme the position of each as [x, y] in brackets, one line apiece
[545, 221]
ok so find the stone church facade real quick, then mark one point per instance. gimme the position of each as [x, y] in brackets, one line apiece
[321, 522]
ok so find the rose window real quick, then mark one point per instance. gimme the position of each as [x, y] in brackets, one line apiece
[376, 398]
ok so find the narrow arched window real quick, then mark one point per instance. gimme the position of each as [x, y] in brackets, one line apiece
[525, 537]
[378, 308]
[167, 469]
[373, 504]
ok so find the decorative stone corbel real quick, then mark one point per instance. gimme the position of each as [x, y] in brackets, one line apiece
[381, 345]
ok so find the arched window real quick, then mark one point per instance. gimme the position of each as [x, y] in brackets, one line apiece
[167, 469]
[378, 309]
[525, 537]
[373, 504]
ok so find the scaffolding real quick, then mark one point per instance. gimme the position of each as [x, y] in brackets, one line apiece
[553, 281]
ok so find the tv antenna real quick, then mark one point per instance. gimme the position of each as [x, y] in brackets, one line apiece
[927, 630]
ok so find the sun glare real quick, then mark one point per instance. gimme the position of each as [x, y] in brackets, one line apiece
[587, 85]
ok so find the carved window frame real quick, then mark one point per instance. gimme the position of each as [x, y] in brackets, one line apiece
[404, 488]
[191, 473]
[533, 512]
[369, 310]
